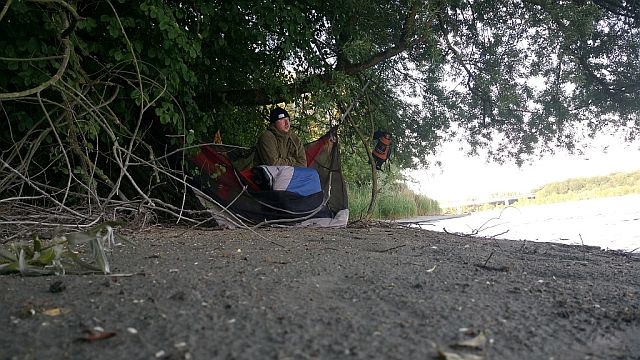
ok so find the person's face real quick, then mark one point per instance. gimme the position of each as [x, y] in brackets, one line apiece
[283, 124]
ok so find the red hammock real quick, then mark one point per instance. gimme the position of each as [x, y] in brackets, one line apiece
[236, 191]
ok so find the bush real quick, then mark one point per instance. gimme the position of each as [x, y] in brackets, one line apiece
[393, 203]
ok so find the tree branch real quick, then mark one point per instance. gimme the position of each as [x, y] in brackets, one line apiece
[259, 96]
[63, 66]
[5, 8]
[74, 19]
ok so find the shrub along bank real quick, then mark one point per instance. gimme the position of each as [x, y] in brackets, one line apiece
[395, 202]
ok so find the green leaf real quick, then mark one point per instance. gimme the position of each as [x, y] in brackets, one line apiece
[118, 55]
[9, 268]
[46, 257]
[33, 45]
[124, 239]
[5, 255]
[30, 270]
[37, 244]
[190, 137]
[78, 261]
[136, 96]
[81, 237]
[114, 30]
[87, 24]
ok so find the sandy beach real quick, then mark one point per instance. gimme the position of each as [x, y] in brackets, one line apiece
[367, 293]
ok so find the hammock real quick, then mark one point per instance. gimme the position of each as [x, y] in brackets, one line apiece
[240, 196]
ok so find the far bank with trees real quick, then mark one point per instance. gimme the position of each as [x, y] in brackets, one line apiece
[583, 188]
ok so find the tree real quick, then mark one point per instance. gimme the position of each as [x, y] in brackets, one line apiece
[82, 82]
[530, 74]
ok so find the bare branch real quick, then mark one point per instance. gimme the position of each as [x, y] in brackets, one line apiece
[63, 66]
[5, 8]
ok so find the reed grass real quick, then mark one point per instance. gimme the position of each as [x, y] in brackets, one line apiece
[393, 203]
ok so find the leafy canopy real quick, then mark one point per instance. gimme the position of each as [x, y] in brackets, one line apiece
[85, 85]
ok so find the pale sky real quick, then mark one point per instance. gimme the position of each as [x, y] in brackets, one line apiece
[462, 177]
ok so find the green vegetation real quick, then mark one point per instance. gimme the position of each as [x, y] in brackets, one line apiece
[394, 202]
[62, 253]
[616, 184]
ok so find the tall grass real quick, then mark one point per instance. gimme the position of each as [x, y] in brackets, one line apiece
[393, 203]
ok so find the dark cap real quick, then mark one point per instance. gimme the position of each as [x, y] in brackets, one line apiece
[277, 114]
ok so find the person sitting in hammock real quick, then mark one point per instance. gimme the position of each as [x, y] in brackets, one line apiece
[277, 145]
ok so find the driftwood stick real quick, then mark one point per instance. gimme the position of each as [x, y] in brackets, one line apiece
[486, 261]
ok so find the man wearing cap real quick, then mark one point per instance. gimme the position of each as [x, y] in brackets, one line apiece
[277, 145]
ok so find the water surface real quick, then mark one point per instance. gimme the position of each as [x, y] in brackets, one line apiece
[610, 223]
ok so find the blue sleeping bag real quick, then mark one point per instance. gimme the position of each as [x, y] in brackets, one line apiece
[299, 180]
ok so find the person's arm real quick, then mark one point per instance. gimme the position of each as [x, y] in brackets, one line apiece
[267, 149]
[300, 153]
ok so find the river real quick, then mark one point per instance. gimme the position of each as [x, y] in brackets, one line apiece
[609, 223]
